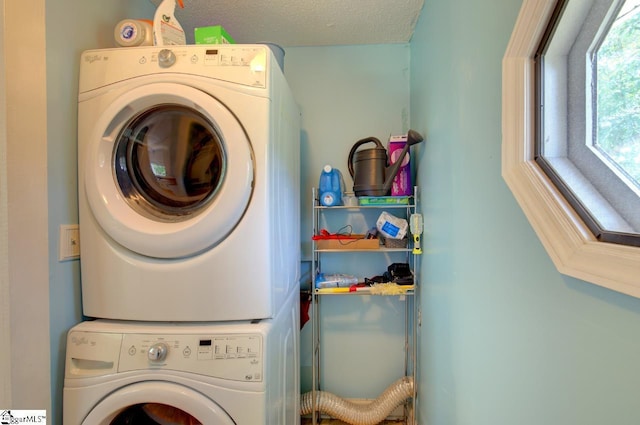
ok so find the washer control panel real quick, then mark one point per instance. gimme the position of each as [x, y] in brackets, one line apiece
[237, 357]
[230, 356]
[245, 65]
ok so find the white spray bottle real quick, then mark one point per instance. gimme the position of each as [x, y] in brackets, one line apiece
[167, 30]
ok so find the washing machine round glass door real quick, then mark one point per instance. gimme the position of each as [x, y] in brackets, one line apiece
[169, 170]
[157, 403]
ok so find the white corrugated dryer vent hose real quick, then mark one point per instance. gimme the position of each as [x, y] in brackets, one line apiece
[360, 414]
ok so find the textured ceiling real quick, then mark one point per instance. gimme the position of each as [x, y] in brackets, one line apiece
[304, 22]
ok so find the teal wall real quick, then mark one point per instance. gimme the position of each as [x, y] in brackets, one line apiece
[506, 339]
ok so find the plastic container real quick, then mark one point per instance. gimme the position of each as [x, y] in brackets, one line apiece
[337, 280]
[330, 187]
[401, 185]
[167, 30]
[349, 199]
[391, 226]
[133, 32]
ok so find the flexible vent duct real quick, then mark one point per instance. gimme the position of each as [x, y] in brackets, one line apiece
[359, 414]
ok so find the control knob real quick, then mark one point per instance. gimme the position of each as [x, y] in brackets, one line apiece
[166, 58]
[157, 352]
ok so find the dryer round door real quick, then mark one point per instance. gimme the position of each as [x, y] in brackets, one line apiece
[159, 403]
[169, 170]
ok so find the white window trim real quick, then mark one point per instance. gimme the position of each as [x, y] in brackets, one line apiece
[572, 247]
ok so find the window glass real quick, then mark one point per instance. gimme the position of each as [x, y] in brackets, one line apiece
[577, 105]
[617, 94]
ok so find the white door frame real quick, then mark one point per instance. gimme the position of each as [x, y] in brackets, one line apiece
[25, 361]
[5, 305]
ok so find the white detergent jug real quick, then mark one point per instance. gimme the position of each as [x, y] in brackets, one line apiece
[134, 32]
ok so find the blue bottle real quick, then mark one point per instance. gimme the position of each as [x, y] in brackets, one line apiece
[330, 187]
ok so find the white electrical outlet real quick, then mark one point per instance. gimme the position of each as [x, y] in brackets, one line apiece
[69, 248]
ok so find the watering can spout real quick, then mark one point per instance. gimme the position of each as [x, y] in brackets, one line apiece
[413, 137]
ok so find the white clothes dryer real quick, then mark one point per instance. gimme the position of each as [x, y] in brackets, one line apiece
[144, 373]
[188, 162]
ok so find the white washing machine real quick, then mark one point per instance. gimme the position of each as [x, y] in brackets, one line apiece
[189, 181]
[183, 373]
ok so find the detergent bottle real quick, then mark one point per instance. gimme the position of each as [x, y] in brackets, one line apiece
[330, 187]
[167, 30]
[134, 32]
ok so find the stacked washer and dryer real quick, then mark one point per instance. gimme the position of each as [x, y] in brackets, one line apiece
[188, 161]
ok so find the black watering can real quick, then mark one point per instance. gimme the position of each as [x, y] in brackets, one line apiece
[368, 167]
